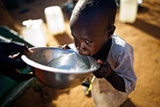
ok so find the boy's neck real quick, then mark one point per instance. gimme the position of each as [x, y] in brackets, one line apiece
[103, 53]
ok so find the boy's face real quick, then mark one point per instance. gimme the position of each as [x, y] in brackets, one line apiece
[89, 28]
[88, 37]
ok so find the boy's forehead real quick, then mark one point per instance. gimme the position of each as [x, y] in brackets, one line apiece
[82, 29]
[94, 11]
[89, 25]
[89, 16]
[89, 19]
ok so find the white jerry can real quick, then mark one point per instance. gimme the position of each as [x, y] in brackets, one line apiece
[128, 11]
[34, 32]
[55, 20]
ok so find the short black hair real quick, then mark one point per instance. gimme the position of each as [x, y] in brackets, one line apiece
[106, 9]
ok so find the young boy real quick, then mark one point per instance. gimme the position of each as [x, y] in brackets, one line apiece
[92, 27]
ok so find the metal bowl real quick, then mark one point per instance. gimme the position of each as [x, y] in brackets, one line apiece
[58, 68]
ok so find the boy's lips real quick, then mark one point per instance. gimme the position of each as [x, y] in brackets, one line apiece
[84, 53]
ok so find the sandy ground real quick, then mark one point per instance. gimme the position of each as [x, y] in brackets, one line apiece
[143, 35]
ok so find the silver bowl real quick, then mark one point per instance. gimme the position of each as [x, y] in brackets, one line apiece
[59, 69]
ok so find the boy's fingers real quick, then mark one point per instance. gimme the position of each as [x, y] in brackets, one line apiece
[65, 47]
[99, 61]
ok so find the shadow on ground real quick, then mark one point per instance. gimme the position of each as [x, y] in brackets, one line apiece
[41, 96]
[149, 28]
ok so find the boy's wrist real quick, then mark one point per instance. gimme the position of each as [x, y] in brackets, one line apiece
[116, 81]
[108, 72]
[104, 71]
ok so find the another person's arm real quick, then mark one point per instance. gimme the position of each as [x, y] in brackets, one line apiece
[10, 61]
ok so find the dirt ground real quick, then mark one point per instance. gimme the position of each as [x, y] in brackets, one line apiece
[143, 35]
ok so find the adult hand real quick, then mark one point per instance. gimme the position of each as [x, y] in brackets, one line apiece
[10, 61]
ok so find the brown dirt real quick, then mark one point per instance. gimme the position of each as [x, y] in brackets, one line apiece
[143, 35]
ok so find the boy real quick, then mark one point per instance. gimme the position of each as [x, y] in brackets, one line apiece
[92, 27]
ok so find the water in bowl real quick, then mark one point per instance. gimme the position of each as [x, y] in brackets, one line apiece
[72, 61]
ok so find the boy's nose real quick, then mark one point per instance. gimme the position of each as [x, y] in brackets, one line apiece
[83, 49]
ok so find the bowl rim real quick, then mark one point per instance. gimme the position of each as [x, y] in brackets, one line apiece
[51, 69]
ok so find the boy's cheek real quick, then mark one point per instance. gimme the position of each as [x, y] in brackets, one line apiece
[93, 52]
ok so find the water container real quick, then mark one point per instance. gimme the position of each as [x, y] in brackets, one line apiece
[55, 19]
[34, 32]
[128, 11]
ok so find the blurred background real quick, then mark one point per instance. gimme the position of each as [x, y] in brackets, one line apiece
[140, 26]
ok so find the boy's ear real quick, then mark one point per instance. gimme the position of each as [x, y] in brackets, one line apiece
[111, 30]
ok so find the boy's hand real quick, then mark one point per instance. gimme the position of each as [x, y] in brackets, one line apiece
[65, 47]
[10, 61]
[104, 71]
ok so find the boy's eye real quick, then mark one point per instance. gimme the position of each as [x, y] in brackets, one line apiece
[76, 40]
[88, 41]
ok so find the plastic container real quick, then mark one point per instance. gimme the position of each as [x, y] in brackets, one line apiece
[55, 19]
[34, 32]
[128, 11]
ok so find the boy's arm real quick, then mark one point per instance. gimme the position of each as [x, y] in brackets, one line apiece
[119, 73]
[106, 72]
[116, 81]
